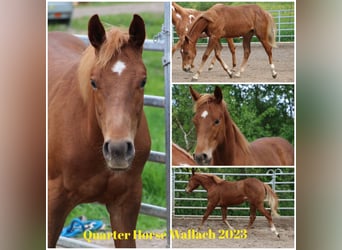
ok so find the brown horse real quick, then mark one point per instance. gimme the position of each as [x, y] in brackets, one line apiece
[98, 135]
[180, 157]
[220, 142]
[222, 21]
[182, 18]
[225, 193]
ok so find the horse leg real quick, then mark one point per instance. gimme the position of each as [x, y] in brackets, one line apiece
[262, 209]
[218, 49]
[58, 209]
[210, 208]
[177, 45]
[231, 47]
[205, 56]
[123, 213]
[246, 52]
[212, 63]
[268, 49]
[252, 215]
[224, 217]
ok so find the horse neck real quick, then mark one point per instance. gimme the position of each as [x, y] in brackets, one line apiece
[234, 146]
[197, 28]
[206, 181]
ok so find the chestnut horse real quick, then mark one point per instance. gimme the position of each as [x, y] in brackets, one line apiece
[225, 193]
[182, 18]
[222, 21]
[220, 142]
[98, 135]
[180, 157]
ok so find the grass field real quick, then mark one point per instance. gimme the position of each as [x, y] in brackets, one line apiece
[154, 187]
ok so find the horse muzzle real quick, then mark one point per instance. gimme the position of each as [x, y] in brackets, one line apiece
[118, 154]
[202, 159]
[187, 68]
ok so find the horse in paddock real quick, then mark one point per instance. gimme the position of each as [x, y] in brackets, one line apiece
[180, 157]
[182, 18]
[98, 135]
[222, 21]
[225, 193]
[220, 141]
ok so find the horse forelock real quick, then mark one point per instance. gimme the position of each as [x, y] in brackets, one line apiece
[206, 99]
[115, 40]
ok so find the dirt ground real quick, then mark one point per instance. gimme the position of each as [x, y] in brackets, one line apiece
[257, 70]
[260, 236]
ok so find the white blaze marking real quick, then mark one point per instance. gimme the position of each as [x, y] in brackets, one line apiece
[118, 67]
[204, 114]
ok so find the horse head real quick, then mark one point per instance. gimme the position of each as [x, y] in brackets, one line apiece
[116, 87]
[193, 182]
[209, 121]
[188, 52]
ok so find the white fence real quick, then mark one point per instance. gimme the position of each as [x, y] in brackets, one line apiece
[282, 181]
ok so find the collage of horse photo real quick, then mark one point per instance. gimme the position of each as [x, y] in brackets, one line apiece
[154, 144]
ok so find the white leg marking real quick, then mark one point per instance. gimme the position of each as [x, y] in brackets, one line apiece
[119, 67]
[227, 223]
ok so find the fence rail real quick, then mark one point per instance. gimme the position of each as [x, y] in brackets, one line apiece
[195, 204]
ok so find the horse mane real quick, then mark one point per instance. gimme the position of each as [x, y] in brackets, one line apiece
[197, 27]
[184, 152]
[215, 178]
[115, 39]
[239, 137]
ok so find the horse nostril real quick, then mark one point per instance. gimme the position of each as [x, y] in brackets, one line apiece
[130, 148]
[205, 156]
[106, 149]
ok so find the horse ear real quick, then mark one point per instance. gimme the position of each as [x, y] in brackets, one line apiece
[137, 31]
[218, 94]
[96, 32]
[195, 95]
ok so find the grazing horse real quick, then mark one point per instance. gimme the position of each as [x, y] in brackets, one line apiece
[98, 135]
[180, 157]
[182, 18]
[222, 21]
[225, 193]
[220, 142]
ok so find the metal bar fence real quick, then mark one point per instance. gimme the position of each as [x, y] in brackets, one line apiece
[195, 204]
[284, 20]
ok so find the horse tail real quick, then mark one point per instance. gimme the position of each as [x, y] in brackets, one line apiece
[272, 200]
[271, 30]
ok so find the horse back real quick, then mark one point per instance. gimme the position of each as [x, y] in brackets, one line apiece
[234, 21]
[274, 151]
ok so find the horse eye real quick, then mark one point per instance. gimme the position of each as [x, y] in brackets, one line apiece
[217, 121]
[143, 83]
[93, 84]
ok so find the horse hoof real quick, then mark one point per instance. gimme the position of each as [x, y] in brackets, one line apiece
[194, 79]
[274, 76]
[278, 236]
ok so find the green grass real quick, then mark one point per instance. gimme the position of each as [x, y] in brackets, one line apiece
[154, 175]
